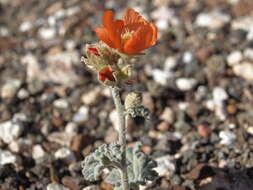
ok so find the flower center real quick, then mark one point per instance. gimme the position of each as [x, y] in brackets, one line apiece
[127, 35]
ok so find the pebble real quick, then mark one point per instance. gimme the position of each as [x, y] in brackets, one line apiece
[165, 166]
[248, 53]
[186, 84]
[212, 20]
[38, 152]
[61, 138]
[227, 137]
[20, 145]
[187, 57]
[91, 97]
[61, 103]
[10, 130]
[56, 186]
[161, 77]
[92, 187]
[234, 58]
[23, 94]
[244, 70]
[82, 114]
[204, 130]
[65, 154]
[47, 33]
[168, 115]
[219, 95]
[7, 157]
[25, 26]
[71, 128]
[170, 63]
[163, 126]
[10, 88]
[114, 119]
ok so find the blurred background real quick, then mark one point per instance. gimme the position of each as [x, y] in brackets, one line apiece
[197, 83]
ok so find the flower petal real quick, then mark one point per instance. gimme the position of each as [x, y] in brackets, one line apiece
[103, 35]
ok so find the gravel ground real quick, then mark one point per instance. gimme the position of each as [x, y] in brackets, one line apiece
[197, 83]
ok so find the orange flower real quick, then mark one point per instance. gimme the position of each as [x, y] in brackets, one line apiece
[130, 36]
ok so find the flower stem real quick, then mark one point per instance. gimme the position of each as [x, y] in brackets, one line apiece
[121, 134]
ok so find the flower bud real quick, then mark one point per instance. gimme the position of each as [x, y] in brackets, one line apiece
[132, 100]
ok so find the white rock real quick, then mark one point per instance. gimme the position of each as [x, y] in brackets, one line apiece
[248, 53]
[10, 130]
[20, 145]
[92, 96]
[38, 152]
[61, 138]
[25, 26]
[250, 130]
[56, 186]
[212, 20]
[71, 128]
[92, 187]
[168, 115]
[244, 70]
[162, 24]
[161, 77]
[61, 103]
[187, 57]
[227, 137]
[234, 58]
[7, 157]
[219, 95]
[165, 166]
[170, 63]
[10, 88]
[82, 114]
[23, 94]
[47, 33]
[65, 154]
[186, 84]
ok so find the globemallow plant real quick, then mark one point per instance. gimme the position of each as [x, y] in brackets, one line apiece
[120, 41]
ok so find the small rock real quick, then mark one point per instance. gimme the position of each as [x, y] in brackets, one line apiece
[25, 26]
[20, 145]
[234, 58]
[65, 154]
[38, 152]
[165, 166]
[219, 95]
[187, 57]
[56, 186]
[92, 187]
[23, 94]
[10, 130]
[7, 157]
[201, 171]
[227, 137]
[61, 103]
[61, 138]
[161, 77]
[170, 63]
[248, 53]
[47, 33]
[10, 88]
[71, 128]
[212, 20]
[168, 115]
[114, 119]
[163, 126]
[186, 84]
[82, 114]
[91, 97]
[244, 70]
[204, 130]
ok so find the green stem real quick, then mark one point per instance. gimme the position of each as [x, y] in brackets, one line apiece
[122, 134]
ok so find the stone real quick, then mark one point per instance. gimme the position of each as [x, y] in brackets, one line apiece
[168, 115]
[81, 115]
[234, 58]
[92, 187]
[61, 138]
[165, 166]
[204, 130]
[163, 126]
[47, 33]
[114, 119]
[170, 63]
[186, 84]
[56, 186]
[212, 20]
[20, 145]
[248, 53]
[7, 157]
[91, 97]
[65, 154]
[23, 94]
[244, 70]
[201, 171]
[161, 77]
[61, 103]
[38, 152]
[227, 137]
[10, 130]
[10, 88]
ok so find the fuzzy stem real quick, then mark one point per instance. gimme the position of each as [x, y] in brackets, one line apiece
[121, 134]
